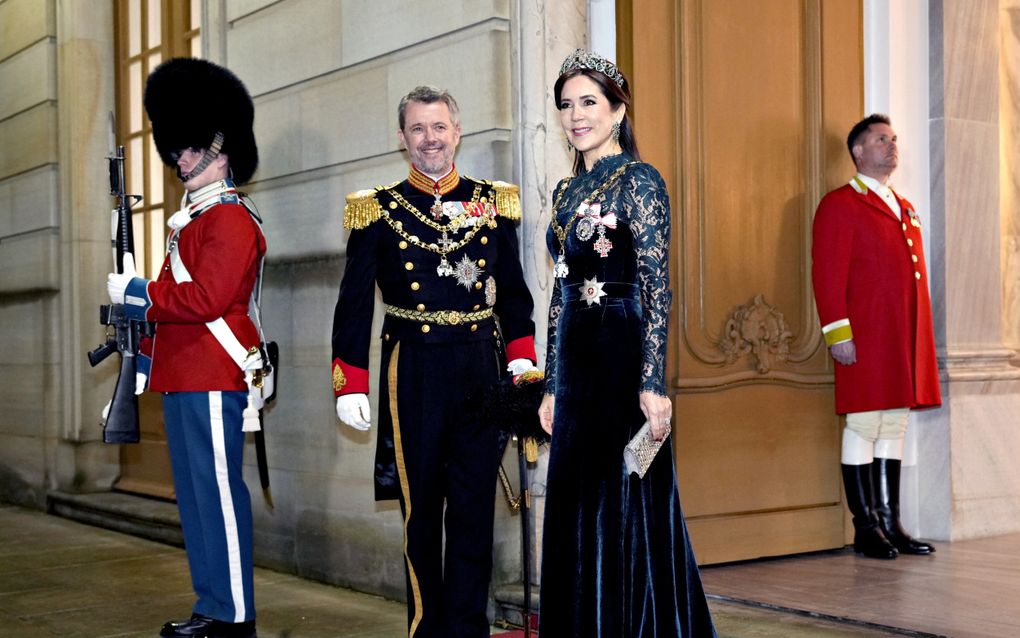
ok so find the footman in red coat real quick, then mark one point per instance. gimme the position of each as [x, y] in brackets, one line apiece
[871, 287]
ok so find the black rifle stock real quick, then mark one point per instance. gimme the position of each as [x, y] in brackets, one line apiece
[122, 419]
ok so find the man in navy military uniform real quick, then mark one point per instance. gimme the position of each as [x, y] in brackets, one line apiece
[443, 249]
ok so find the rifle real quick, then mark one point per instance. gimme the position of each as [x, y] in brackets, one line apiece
[122, 420]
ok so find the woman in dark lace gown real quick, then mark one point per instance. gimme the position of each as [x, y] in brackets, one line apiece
[616, 559]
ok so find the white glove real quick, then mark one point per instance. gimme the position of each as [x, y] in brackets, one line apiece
[520, 366]
[117, 283]
[353, 410]
[141, 380]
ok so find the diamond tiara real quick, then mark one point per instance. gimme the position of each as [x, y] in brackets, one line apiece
[581, 59]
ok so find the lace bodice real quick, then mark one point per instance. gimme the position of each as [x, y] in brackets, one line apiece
[631, 217]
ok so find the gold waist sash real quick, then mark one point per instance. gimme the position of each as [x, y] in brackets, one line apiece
[438, 317]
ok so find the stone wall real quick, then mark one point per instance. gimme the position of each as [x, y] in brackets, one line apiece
[55, 70]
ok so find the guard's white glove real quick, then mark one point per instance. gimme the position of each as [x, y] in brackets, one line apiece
[117, 283]
[353, 410]
[518, 367]
[141, 380]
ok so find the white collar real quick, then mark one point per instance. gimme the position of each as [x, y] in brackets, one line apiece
[882, 189]
[197, 202]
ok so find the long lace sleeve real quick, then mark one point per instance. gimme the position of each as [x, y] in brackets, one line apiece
[555, 308]
[646, 196]
[556, 303]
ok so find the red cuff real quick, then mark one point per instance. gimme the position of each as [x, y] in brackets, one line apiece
[348, 379]
[523, 348]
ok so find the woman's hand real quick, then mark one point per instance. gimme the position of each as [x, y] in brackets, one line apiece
[658, 410]
[545, 413]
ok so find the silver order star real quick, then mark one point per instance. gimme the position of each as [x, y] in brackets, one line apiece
[467, 272]
[591, 291]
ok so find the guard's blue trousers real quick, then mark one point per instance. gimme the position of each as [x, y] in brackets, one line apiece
[203, 430]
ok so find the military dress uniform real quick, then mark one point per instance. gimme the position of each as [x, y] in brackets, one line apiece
[200, 304]
[445, 257]
[208, 273]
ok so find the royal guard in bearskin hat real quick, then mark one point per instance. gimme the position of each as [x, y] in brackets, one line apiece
[205, 357]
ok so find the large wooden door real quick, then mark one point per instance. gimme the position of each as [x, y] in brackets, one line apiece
[744, 105]
[148, 33]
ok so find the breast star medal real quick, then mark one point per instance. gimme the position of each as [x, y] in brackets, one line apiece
[591, 291]
[467, 272]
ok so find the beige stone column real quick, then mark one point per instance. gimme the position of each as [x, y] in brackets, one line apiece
[1009, 164]
[543, 35]
[85, 98]
[968, 479]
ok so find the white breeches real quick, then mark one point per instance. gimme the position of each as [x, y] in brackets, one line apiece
[876, 433]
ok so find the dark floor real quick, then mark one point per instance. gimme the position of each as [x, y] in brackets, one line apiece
[966, 589]
[62, 578]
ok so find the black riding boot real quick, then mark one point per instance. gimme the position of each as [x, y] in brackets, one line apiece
[868, 538]
[886, 477]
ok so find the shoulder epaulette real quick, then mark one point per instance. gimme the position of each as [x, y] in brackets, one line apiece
[508, 200]
[363, 207]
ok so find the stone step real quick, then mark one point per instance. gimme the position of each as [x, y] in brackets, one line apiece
[149, 518]
[510, 604]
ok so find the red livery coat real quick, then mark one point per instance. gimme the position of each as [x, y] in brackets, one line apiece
[868, 267]
[220, 249]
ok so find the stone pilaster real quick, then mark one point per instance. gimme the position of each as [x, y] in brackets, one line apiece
[968, 480]
[85, 99]
[544, 34]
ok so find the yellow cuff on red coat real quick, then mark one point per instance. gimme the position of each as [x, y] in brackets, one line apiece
[837, 332]
[348, 379]
[522, 348]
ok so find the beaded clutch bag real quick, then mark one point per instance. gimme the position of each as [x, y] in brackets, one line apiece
[641, 450]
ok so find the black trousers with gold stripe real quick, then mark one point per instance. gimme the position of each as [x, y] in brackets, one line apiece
[444, 458]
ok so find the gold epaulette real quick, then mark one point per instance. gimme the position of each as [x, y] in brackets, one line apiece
[362, 209]
[508, 200]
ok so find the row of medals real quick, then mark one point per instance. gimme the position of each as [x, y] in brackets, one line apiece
[467, 271]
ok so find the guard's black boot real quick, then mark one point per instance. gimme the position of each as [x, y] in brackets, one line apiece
[868, 538]
[199, 626]
[886, 478]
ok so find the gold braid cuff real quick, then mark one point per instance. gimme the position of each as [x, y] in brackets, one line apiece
[339, 379]
[362, 209]
[508, 200]
[438, 317]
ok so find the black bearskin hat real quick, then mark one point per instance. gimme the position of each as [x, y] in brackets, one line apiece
[189, 100]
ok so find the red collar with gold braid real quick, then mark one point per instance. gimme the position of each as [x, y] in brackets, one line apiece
[426, 184]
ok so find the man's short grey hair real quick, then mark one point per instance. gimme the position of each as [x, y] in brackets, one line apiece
[429, 95]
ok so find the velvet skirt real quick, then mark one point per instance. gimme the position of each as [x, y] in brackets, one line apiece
[616, 558]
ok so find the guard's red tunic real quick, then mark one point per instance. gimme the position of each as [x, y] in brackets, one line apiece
[221, 249]
[868, 269]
